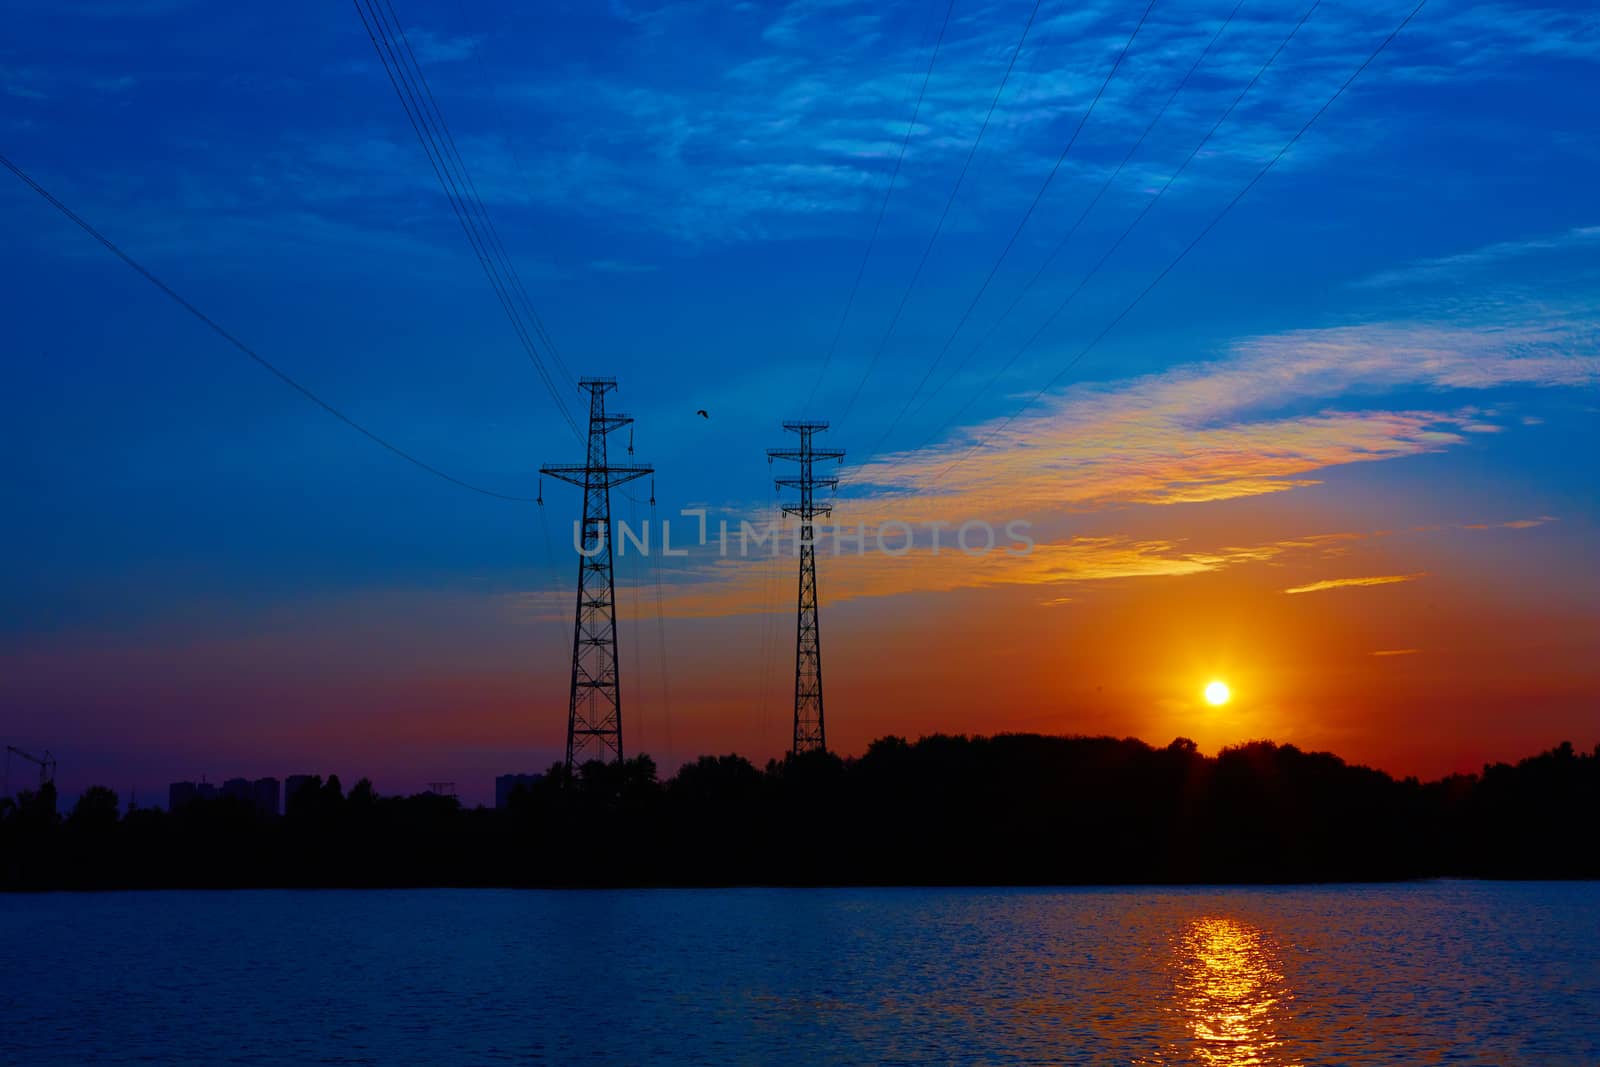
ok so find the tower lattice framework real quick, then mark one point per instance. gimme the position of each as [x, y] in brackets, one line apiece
[594, 710]
[809, 727]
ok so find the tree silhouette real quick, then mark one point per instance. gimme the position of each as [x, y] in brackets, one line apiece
[97, 809]
[1011, 808]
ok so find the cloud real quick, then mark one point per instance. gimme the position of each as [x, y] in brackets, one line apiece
[1445, 268]
[1396, 652]
[1261, 420]
[1347, 583]
[743, 586]
[825, 92]
[1514, 524]
[617, 266]
[23, 83]
[1219, 430]
[709, 585]
[431, 47]
[786, 126]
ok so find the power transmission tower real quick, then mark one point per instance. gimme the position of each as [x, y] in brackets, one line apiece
[594, 710]
[808, 723]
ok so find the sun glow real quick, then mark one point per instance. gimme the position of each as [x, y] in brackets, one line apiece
[1217, 693]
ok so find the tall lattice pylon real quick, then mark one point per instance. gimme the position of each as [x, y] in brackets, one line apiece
[808, 721]
[594, 711]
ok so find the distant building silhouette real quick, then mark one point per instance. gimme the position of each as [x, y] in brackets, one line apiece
[264, 791]
[179, 794]
[262, 794]
[506, 784]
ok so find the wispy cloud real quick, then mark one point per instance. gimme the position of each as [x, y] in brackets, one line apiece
[23, 83]
[739, 586]
[1514, 524]
[1232, 428]
[1350, 583]
[709, 585]
[733, 126]
[1396, 651]
[1452, 267]
[618, 266]
[1215, 431]
[439, 48]
[824, 91]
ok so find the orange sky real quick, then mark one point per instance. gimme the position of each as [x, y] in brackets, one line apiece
[1397, 583]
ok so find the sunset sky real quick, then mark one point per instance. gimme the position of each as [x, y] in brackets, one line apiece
[1342, 455]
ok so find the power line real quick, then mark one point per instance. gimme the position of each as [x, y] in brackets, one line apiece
[1060, 245]
[455, 192]
[498, 268]
[663, 664]
[944, 214]
[768, 622]
[882, 206]
[477, 200]
[488, 235]
[1155, 198]
[217, 328]
[1209, 226]
[632, 589]
[399, 75]
[1037, 196]
[516, 158]
[555, 578]
[1106, 255]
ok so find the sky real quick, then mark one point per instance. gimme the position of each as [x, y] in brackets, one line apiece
[1325, 431]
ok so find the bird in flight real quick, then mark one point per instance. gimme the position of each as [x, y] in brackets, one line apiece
[702, 413]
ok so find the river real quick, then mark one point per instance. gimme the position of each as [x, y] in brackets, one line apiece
[1459, 972]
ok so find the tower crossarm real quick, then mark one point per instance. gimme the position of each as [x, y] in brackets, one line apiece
[800, 454]
[600, 477]
[801, 483]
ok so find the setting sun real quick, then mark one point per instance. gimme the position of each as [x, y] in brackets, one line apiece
[1218, 693]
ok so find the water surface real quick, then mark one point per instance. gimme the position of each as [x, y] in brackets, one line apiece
[1446, 972]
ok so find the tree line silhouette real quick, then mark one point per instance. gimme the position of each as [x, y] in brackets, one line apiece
[1007, 809]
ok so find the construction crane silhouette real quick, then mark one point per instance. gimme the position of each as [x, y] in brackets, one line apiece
[47, 766]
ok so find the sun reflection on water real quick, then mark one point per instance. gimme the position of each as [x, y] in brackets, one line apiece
[1231, 994]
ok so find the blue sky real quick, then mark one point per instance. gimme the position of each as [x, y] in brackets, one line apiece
[1404, 307]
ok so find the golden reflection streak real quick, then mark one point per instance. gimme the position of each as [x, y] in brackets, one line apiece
[1230, 991]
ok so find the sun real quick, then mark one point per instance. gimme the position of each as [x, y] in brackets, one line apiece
[1218, 693]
